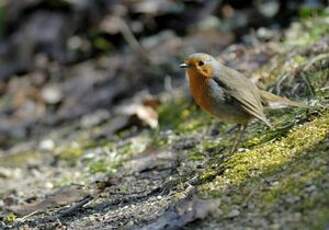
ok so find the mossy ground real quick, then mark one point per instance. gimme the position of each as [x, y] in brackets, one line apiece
[283, 183]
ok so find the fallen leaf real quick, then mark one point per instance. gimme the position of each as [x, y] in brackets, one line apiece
[144, 111]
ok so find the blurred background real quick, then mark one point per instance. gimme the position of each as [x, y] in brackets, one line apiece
[64, 61]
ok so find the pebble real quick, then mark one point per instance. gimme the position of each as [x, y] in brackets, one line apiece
[52, 94]
[47, 144]
[233, 213]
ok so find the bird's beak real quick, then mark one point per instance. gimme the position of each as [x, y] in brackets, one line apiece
[183, 65]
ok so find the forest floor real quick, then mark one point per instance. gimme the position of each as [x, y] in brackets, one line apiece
[110, 170]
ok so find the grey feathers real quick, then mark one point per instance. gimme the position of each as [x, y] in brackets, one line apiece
[242, 90]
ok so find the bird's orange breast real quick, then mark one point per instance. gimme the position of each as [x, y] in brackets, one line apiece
[199, 90]
[213, 101]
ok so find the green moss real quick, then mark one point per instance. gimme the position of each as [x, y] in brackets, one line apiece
[91, 144]
[311, 12]
[102, 44]
[272, 155]
[274, 175]
[70, 153]
[208, 175]
[282, 120]
[170, 113]
[183, 116]
[108, 165]
[319, 218]
[19, 159]
[159, 141]
[196, 156]
[10, 218]
[102, 166]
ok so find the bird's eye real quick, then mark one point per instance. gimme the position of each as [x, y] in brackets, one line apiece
[200, 63]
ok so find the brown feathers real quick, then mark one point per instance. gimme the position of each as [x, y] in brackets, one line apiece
[277, 102]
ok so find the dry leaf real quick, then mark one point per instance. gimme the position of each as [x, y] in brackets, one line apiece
[145, 113]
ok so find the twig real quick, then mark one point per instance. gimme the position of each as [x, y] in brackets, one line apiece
[131, 39]
[76, 206]
[314, 60]
[279, 83]
[308, 84]
[308, 67]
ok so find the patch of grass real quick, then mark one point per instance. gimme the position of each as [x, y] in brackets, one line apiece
[287, 176]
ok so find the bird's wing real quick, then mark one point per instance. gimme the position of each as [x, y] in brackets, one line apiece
[242, 90]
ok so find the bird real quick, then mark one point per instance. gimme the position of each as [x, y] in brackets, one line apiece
[228, 94]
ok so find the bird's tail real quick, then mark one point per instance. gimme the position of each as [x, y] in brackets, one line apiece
[277, 102]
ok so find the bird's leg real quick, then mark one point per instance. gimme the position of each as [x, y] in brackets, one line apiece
[238, 137]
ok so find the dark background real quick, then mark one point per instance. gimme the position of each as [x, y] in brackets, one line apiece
[61, 60]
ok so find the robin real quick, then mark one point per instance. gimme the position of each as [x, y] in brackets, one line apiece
[227, 94]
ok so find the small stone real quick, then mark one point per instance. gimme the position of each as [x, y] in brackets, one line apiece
[130, 223]
[74, 43]
[49, 185]
[275, 183]
[275, 226]
[47, 145]
[292, 199]
[5, 173]
[94, 119]
[311, 188]
[10, 172]
[233, 213]
[51, 94]
[240, 150]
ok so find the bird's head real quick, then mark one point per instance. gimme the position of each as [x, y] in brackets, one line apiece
[201, 63]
